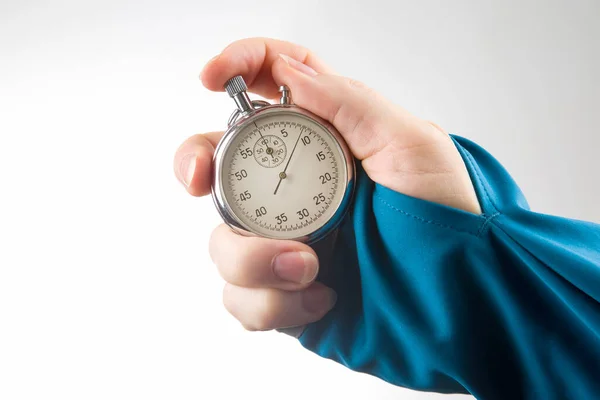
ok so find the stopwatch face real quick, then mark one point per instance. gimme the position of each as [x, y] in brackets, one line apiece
[283, 175]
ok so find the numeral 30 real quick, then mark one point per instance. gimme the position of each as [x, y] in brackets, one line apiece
[302, 213]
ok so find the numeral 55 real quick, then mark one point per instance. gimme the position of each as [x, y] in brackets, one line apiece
[245, 153]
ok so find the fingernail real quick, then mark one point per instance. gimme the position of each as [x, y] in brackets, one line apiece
[187, 167]
[297, 65]
[320, 299]
[297, 266]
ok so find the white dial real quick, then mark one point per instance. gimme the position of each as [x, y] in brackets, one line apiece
[283, 175]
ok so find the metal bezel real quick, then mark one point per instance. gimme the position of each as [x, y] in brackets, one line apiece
[218, 195]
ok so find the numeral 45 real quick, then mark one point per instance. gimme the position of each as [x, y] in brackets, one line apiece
[245, 196]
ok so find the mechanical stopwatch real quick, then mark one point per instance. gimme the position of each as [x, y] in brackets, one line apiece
[280, 171]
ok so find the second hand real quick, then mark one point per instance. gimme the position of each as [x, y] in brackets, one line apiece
[283, 175]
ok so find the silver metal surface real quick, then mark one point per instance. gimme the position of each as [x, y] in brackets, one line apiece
[238, 121]
[243, 102]
[235, 85]
[233, 117]
[236, 88]
[286, 95]
[256, 104]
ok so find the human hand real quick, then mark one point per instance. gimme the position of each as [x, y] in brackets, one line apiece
[271, 283]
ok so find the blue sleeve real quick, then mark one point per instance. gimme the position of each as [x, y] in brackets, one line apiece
[504, 305]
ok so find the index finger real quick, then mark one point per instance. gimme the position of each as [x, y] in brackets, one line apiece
[253, 58]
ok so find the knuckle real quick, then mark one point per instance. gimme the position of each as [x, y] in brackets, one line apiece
[358, 86]
[347, 113]
[230, 258]
[253, 326]
[254, 310]
[213, 246]
[230, 273]
[229, 299]
[266, 315]
[240, 270]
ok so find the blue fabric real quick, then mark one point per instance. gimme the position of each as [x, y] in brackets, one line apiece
[504, 305]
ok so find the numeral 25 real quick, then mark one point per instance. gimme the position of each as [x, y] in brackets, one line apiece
[319, 198]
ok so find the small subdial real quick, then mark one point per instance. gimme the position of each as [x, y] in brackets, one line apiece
[269, 151]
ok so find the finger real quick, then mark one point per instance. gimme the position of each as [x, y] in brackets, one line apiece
[266, 309]
[259, 262]
[192, 163]
[253, 58]
[393, 145]
[367, 120]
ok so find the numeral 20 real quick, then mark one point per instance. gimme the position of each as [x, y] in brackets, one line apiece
[325, 178]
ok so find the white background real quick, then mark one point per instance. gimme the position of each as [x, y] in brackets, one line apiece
[106, 287]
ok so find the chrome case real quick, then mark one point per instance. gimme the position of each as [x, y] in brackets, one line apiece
[242, 118]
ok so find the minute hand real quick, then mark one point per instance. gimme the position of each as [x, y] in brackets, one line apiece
[282, 175]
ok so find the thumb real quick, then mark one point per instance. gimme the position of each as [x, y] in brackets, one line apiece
[396, 149]
[368, 122]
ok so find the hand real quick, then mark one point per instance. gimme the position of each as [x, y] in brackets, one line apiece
[271, 283]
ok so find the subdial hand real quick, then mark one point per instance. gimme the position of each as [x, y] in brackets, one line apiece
[269, 149]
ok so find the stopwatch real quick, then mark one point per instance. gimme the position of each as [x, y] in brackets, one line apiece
[280, 171]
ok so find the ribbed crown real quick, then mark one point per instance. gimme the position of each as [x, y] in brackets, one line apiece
[235, 85]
